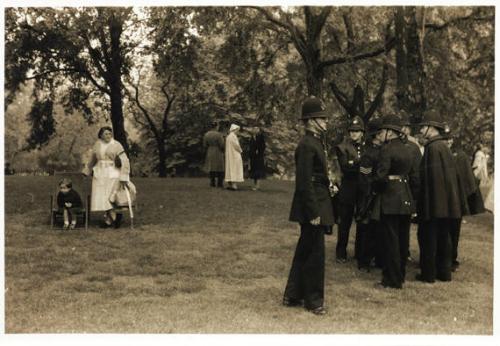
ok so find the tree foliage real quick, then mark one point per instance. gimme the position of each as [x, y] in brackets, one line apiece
[174, 70]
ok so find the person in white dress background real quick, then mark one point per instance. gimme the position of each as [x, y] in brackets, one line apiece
[106, 175]
[233, 159]
[480, 169]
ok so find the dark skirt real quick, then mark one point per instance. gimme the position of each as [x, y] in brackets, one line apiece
[257, 168]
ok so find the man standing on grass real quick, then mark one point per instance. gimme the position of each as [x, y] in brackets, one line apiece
[396, 182]
[312, 209]
[438, 203]
[349, 155]
[367, 214]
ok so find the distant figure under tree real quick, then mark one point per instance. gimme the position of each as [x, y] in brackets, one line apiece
[214, 160]
[480, 164]
[234, 162]
[257, 158]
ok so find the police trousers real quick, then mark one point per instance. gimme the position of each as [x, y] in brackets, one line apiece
[395, 234]
[306, 280]
[456, 225]
[435, 249]
[370, 244]
[346, 212]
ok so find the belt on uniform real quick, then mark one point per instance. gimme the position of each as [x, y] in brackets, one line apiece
[320, 180]
[397, 177]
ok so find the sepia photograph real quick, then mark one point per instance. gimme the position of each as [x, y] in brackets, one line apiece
[253, 169]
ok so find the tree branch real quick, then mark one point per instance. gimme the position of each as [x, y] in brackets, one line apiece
[270, 17]
[341, 97]
[103, 89]
[145, 112]
[380, 93]
[475, 16]
[97, 59]
[349, 31]
[340, 60]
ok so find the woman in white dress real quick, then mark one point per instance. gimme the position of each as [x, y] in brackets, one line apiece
[480, 169]
[480, 164]
[234, 162]
[106, 175]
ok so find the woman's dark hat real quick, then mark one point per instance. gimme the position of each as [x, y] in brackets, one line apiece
[313, 108]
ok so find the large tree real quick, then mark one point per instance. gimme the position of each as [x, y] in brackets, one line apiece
[89, 47]
[306, 28]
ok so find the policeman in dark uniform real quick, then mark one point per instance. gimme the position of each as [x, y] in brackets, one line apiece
[471, 199]
[416, 153]
[438, 203]
[349, 155]
[312, 209]
[370, 240]
[395, 182]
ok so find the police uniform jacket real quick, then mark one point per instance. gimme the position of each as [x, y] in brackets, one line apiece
[312, 196]
[349, 157]
[368, 168]
[439, 191]
[396, 179]
[416, 156]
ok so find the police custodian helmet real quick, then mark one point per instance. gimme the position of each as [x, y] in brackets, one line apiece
[357, 124]
[374, 126]
[312, 107]
[392, 122]
[432, 118]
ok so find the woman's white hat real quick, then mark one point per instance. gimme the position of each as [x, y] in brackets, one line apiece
[234, 127]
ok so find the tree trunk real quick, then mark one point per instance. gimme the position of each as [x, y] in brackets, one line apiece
[162, 161]
[117, 116]
[409, 64]
[115, 85]
[314, 81]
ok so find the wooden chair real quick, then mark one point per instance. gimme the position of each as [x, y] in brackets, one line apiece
[80, 185]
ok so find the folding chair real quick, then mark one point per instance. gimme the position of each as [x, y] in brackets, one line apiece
[80, 185]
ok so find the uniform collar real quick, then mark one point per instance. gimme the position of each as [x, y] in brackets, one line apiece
[434, 139]
[315, 135]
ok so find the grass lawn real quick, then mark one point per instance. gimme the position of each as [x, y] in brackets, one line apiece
[204, 260]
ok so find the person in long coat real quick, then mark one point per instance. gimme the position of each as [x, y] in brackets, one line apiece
[349, 155]
[214, 160]
[257, 160]
[472, 201]
[105, 154]
[312, 209]
[234, 162]
[396, 181]
[438, 203]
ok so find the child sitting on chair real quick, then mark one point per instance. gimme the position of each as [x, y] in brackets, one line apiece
[68, 200]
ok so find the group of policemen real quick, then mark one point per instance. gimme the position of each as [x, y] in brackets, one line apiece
[386, 184]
